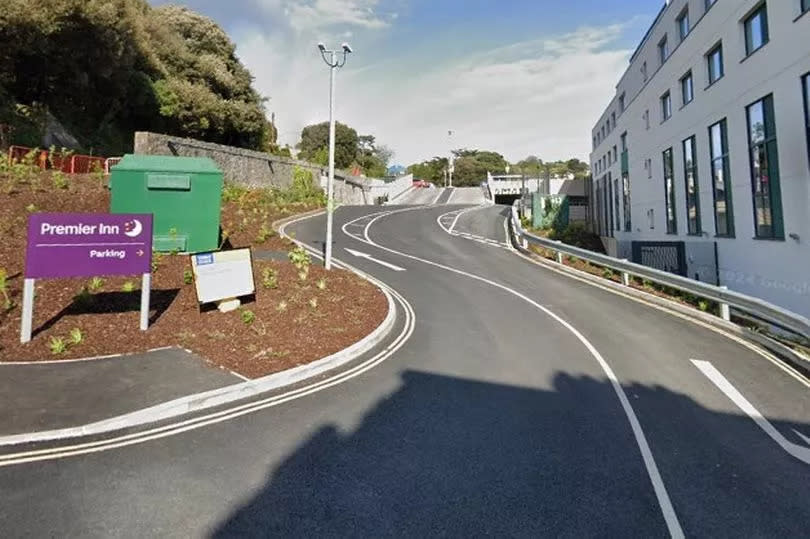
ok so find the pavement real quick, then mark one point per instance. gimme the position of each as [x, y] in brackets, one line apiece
[523, 403]
[59, 394]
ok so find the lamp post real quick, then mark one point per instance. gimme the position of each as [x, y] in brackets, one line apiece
[450, 165]
[334, 63]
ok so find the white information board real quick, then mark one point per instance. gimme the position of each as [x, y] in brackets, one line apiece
[223, 275]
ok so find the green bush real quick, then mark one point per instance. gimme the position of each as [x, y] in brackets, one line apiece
[578, 235]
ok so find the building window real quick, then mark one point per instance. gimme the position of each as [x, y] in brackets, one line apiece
[756, 30]
[666, 107]
[715, 62]
[805, 5]
[663, 50]
[608, 126]
[649, 169]
[806, 92]
[765, 169]
[709, 4]
[721, 180]
[644, 70]
[690, 176]
[647, 119]
[628, 221]
[669, 193]
[683, 24]
[687, 89]
[613, 119]
[621, 101]
[616, 196]
[615, 154]
[624, 135]
[651, 218]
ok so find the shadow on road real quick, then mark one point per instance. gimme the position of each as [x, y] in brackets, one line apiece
[446, 456]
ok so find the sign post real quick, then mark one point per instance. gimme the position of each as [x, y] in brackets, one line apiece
[86, 245]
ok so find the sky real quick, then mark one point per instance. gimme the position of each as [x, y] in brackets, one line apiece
[520, 77]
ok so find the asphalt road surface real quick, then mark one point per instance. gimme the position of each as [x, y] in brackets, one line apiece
[524, 403]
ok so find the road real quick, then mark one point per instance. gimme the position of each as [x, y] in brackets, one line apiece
[524, 403]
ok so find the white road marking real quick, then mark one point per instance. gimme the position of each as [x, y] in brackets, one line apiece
[452, 194]
[804, 438]
[664, 502]
[232, 413]
[435, 200]
[378, 261]
[722, 383]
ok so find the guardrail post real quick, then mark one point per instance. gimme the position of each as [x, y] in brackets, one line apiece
[725, 311]
[625, 275]
[559, 257]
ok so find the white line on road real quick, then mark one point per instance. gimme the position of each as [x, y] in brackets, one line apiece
[804, 438]
[722, 383]
[664, 502]
[452, 194]
[436, 200]
[378, 261]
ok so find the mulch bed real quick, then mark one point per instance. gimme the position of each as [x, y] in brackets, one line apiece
[295, 323]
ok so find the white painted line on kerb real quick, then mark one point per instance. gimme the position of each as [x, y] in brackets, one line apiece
[664, 502]
[435, 200]
[722, 383]
[452, 194]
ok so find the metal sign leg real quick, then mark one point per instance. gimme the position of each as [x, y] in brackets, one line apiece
[146, 286]
[28, 310]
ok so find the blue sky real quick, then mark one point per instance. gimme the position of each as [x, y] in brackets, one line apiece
[516, 76]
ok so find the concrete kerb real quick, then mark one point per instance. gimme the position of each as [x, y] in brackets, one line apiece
[218, 397]
[781, 352]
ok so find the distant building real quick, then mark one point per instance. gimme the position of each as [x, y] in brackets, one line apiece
[701, 161]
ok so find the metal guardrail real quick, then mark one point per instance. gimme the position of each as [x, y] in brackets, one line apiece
[726, 298]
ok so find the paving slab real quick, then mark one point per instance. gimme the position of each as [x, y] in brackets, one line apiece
[52, 395]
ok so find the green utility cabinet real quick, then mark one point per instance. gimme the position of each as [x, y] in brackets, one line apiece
[183, 194]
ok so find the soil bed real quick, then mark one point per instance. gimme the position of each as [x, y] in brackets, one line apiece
[289, 323]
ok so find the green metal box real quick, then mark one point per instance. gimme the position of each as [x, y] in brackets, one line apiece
[184, 195]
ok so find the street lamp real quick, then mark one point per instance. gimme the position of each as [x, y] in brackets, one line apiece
[334, 62]
[451, 165]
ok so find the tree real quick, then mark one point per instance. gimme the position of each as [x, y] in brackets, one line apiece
[471, 166]
[351, 149]
[430, 171]
[106, 68]
[315, 138]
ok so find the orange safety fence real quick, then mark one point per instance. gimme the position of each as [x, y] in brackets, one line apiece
[69, 164]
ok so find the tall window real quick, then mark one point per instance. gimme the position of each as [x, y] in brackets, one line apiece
[647, 119]
[644, 70]
[613, 119]
[721, 180]
[690, 176]
[621, 101]
[663, 50]
[806, 93]
[715, 62]
[805, 5]
[709, 4]
[765, 169]
[624, 135]
[683, 24]
[666, 107]
[756, 30]
[669, 193]
[687, 89]
[628, 220]
[616, 196]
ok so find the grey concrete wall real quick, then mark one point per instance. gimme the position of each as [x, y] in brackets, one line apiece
[252, 168]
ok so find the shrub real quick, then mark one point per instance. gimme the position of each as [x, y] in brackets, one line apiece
[248, 316]
[96, 283]
[269, 278]
[7, 304]
[76, 336]
[300, 258]
[321, 284]
[128, 286]
[57, 346]
[188, 276]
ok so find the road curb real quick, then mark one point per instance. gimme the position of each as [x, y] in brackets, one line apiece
[780, 351]
[218, 397]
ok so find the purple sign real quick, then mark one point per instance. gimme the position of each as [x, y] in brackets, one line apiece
[88, 244]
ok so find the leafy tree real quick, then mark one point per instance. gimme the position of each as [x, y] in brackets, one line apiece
[315, 141]
[471, 166]
[430, 171]
[106, 68]
[351, 149]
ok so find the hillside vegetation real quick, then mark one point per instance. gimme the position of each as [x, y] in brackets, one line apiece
[105, 68]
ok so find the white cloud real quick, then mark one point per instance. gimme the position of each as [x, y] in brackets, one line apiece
[538, 97]
[303, 15]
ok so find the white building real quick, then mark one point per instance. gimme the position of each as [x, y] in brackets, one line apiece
[701, 162]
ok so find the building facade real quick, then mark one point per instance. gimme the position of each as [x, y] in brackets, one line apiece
[701, 161]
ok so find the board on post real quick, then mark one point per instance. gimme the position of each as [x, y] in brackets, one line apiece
[64, 245]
